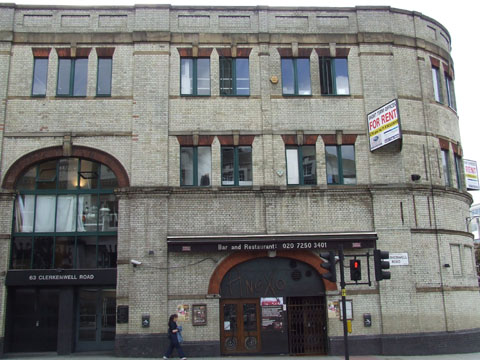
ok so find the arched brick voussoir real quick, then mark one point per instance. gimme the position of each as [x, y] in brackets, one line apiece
[55, 152]
[237, 258]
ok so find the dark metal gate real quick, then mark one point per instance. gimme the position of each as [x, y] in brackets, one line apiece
[307, 326]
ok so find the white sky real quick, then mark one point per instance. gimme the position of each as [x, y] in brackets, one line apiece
[458, 17]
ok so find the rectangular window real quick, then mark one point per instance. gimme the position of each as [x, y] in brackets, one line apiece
[40, 70]
[450, 92]
[195, 76]
[301, 165]
[334, 76]
[458, 170]
[296, 76]
[437, 87]
[341, 164]
[72, 77]
[446, 168]
[237, 166]
[195, 166]
[104, 76]
[234, 76]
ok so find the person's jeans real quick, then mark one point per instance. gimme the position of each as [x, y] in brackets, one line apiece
[174, 344]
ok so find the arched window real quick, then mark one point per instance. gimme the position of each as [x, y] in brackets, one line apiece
[65, 217]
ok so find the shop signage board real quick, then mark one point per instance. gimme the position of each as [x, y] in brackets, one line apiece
[471, 174]
[271, 242]
[384, 125]
[60, 277]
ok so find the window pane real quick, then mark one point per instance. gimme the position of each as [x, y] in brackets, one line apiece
[43, 252]
[436, 84]
[309, 165]
[186, 76]
[80, 77]
[348, 165]
[86, 252]
[288, 85]
[230, 317]
[446, 171]
[249, 317]
[332, 165]
[89, 174]
[303, 74]
[226, 76]
[47, 175]
[45, 213]
[67, 213]
[104, 81]
[88, 207]
[108, 180]
[292, 167]
[21, 253]
[186, 166]
[458, 166]
[203, 76]
[40, 69]
[245, 165]
[326, 76]
[108, 213]
[227, 166]
[27, 181]
[107, 252]
[68, 173]
[24, 213]
[341, 77]
[204, 165]
[243, 77]
[64, 252]
[450, 92]
[63, 81]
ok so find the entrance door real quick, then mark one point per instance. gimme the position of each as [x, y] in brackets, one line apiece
[307, 325]
[96, 319]
[34, 319]
[240, 321]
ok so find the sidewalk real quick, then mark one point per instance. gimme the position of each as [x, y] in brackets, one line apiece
[473, 356]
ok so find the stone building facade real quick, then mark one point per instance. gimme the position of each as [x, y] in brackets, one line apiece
[197, 160]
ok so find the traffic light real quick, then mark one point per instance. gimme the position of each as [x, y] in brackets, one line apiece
[355, 270]
[329, 264]
[381, 264]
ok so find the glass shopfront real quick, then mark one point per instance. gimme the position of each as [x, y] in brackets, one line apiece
[62, 277]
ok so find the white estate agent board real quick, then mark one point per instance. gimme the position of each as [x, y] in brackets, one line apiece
[471, 174]
[384, 125]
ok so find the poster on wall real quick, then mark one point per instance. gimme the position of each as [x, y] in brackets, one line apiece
[199, 314]
[183, 312]
[333, 310]
[384, 125]
[471, 174]
[272, 313]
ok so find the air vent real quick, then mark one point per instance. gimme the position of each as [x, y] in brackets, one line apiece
[296, 275]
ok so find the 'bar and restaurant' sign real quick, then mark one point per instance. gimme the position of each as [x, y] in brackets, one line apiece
[261, 242]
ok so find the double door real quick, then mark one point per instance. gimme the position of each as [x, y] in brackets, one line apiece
[33, 322]
[240, 326]
[96, 319]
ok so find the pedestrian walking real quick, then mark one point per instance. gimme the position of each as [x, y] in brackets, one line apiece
[173, 334]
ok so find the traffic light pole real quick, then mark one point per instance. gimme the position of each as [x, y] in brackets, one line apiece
[344, 301]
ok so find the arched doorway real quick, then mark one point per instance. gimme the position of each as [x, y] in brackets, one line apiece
[272, 306]
[62, 277]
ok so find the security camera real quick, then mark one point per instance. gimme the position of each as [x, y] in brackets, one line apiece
[135, 262]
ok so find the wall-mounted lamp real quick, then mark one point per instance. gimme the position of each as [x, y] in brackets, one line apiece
[415, 177]
[272, 253]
